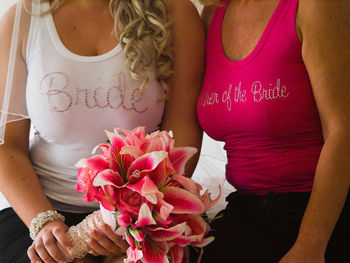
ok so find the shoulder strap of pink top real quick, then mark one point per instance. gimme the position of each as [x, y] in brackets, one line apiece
[214, 30]
[291, 15]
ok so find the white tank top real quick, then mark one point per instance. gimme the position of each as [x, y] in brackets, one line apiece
[71, 101]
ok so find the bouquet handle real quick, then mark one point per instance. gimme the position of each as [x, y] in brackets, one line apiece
[80, 234]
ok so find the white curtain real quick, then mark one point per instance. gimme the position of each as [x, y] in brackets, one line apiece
[210, 171]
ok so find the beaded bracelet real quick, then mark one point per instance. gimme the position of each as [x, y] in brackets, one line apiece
[43, 218]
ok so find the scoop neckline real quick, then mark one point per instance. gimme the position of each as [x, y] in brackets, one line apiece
[69, 54]
[259, 45]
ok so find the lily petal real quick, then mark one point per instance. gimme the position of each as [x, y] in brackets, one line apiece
[134, 151]
[177, 254]
[112, 176]
[187, 183]
[133, 255]
[155, 252]
[140, 132]
[100, 180]
[144, 164]
[204, 242]
[116, 141]
[97, 163]
[81, 163]
[106, 196]
[129, 136]
[145, 217]
[137, 235]
[146, 188]
[207, 202]
[162, 234]
[184, 202]
[164, 208]
[182, 241]
[179, 157]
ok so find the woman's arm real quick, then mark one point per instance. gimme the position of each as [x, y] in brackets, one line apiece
[19, 183]
[185, 83]
[325, 30]
[16, 171]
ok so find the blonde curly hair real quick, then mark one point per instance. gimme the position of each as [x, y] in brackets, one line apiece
[146, 37]
[143, 28]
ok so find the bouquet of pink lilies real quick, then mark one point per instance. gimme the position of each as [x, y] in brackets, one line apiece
[139, 181]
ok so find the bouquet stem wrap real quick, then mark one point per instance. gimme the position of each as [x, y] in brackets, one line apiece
[80, 234]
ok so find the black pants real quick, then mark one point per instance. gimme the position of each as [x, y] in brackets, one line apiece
[14, 235]
[262, 229]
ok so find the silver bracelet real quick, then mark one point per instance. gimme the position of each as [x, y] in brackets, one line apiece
[43, 218]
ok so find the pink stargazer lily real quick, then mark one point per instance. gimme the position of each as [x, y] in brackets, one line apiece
[162, 234]
[144, 164]
[184, 202]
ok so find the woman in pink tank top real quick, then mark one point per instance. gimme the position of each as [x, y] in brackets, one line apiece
[276, 91]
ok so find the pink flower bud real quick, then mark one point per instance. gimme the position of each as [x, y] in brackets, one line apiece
[124, 220]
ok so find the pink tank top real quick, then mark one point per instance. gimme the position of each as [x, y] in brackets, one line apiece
[263, 108]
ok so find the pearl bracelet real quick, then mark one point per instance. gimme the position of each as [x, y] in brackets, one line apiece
[43, 218]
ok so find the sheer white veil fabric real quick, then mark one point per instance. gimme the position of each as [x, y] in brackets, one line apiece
[12, 72]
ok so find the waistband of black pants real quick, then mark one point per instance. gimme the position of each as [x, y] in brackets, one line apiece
[289, 197]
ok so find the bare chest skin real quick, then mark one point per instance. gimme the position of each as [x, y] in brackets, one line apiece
[243, 25]
[85, 28]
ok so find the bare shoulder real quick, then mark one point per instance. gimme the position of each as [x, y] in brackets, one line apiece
[207, 15]
[7, 20]
[186, 21]
[6, 28]
[325, 30]
[324, 15]
[184, 10]
[7, 24]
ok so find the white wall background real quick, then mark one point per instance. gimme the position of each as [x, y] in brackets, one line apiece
[211, 167]
[5, 4]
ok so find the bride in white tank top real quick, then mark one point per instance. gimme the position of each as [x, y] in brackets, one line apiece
[77, 78]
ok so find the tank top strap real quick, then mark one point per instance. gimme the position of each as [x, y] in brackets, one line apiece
[288, 16]
[218, 16]
[36, 9]
[214, 31]
[37, 25]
